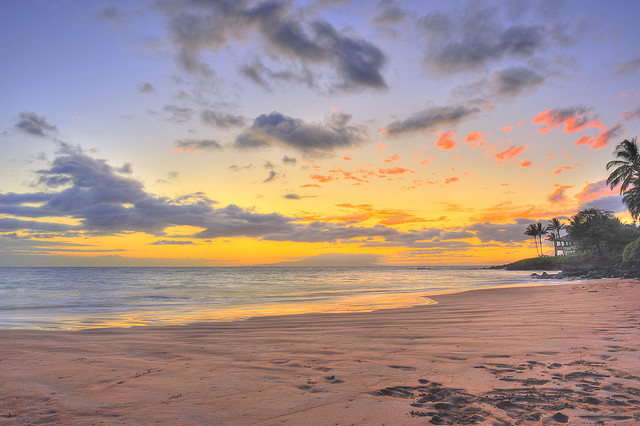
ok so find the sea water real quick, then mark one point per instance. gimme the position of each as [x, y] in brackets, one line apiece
[79, 298]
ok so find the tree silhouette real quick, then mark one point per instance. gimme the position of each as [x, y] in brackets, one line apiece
[626, 173]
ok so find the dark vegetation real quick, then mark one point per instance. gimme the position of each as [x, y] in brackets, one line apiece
[597, 244]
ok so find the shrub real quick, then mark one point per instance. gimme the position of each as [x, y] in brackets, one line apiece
[631, 252]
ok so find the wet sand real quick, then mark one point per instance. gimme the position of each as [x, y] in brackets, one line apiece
[527, 355]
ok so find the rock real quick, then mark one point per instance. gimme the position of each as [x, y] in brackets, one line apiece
[560, 418]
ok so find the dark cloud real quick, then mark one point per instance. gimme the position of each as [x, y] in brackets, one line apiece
[279, 129]
[272, 175]
[196, 26]
[111, 13]
[476, 37]
[430, 118]
[146, 88]
[289, 160]
[33, 124]
[611, 202]
[221, 120]
[390, 14]
[264, 76]
[292, 197]
[198, 144]
[511, 81]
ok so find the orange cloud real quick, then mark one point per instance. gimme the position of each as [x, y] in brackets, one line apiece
[558, 195]
[507, 129]
[392, 159]
[510, 153]
[322, 179]
[176, 150]
[428, 160]
[445, 141]
[476, 139]
[346, 158]
[525, 163]
[381, 146]
[394, 171]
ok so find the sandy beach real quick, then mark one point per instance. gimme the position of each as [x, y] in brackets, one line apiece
[528, 355]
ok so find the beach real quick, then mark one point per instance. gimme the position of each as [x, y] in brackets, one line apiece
[549, 354]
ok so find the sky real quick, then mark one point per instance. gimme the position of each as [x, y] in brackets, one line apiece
[328, 132]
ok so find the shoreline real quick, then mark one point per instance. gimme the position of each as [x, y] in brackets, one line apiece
[530, 353]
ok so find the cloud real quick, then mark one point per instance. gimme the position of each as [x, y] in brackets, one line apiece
[475, 139]
[286, 36]
[172, 242]
[221, 120]
[561, 169]
[430, 118]
[272, 176]
[594, 190]
[605, 137]
[146, 88]
[510, 153]
[629, 67]
[512, 81]
[335, 259]
[198, 144]
[178, 114]
[574, 118]
[32, 124]
[111, 13]
[474, 38]
[630, 115]
[289, 160]
[612, 202]
[279, 129]
[558, 195]
[445, 141]
[503, 233]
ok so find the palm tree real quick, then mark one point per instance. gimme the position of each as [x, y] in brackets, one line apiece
[557, 226]
[540, 231]
[626, 173]
[532, 232]
[536, 230]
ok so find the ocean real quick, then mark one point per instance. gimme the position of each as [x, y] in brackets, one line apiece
[81, 298]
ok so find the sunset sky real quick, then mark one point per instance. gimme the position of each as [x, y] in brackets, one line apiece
[223, 133]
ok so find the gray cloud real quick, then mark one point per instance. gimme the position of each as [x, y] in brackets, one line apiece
[475, 38]
[146, 88]
[198, 144]
[178, 114]
[272, 176]
[430, 118]
[503, 233]
[276, 128]
[111, 13]
[29, 122]
[629, 67]
[172, 242]
[221, 120]
[195, 27]
[611, 202]
[511, 81]
[289, 160]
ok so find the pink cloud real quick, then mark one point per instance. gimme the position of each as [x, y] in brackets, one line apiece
[558, 196]
[561, 169]
[510, 153]
[605, 137]
[629, 115]
[574, 119]
[585, 140]
[392, 159]
[591, 191]
[476, 139]
[445, 141]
